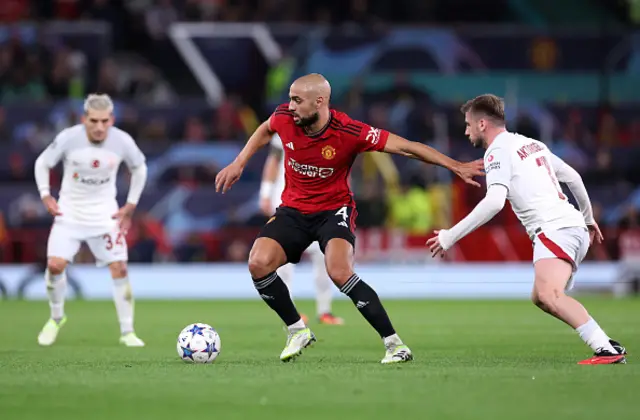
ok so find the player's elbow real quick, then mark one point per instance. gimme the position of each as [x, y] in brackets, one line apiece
[140, 172]
[408, 148]
[497, 206]
[495, 199]
[490, 208]
[40, 163]
[568, 175]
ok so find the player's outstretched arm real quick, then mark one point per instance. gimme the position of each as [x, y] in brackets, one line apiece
[498, 171]
[490, 205]
[231, 174]
[566, 174]
[400, 146]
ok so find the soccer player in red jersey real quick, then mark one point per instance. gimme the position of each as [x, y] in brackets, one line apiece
[320, 145]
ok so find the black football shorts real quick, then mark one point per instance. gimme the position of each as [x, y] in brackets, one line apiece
[295, 231]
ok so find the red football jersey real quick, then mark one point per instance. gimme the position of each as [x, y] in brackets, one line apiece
[317, 167]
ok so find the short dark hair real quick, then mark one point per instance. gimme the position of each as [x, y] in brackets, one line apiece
[491, 106]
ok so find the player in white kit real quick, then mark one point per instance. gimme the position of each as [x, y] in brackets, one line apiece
[270, 198]
[525, 172]
[87, 210]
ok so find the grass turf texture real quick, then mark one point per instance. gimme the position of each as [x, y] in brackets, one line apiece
[480, 360]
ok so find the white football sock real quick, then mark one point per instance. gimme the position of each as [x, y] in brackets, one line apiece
[324, 293]
[56, 289]
[296, 326]
[594, 336]
[123, 298]
[395, 339]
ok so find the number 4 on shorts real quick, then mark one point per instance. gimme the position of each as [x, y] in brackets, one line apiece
[343, 212]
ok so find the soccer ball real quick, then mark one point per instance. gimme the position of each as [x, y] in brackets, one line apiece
[198, 343]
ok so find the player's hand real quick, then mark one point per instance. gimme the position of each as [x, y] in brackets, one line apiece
[124, 215]
[51, 205]
[468, 170]
[228, 176]
[595, 234]
[434, 245]
[265, 206]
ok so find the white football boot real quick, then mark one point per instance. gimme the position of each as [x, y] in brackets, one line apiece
[131, 340]
[396, 353]
[50, 331]
[296, 342]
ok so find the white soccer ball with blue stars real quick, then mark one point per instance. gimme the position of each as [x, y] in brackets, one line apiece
[198, 343]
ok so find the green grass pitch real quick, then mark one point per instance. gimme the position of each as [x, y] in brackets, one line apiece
[474, 360]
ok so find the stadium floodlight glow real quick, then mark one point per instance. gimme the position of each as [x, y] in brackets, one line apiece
[182, 35]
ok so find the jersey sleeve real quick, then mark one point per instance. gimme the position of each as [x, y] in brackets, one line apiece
[369, 139]
[497, 167]
[133, 156]
[280, 116]
[56, 150]
[562, 170]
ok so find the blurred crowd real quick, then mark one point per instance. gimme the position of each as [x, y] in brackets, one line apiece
[42, 69]
[157, 14]
[161, 12]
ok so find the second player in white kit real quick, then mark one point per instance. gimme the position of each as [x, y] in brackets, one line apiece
[525, 172]
[87, 210]
[273, 183]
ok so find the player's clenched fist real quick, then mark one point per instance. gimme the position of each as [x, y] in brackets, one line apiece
[228, 176]
[52, 205]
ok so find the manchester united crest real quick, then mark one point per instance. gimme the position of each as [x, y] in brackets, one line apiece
[328, 152]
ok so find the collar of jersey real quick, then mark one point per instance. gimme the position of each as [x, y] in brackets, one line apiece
[320, 135]
[501, 136]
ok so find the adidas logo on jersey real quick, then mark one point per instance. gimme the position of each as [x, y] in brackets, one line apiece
[290, 145]
[343, 224]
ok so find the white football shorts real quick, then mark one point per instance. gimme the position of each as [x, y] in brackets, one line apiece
[108, 246]
[570, 244]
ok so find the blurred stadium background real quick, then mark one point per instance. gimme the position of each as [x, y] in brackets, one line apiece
[193, 78]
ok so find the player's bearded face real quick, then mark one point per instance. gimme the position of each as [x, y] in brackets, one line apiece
[305, 110]
[474, 130]
[97, 124]
[307, 121]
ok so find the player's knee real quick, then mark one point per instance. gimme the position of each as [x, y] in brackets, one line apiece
[261, 264]
[118, 270]
[339, 273]
[266, 256]
[545, 297]
[56, 266]
[535, 298]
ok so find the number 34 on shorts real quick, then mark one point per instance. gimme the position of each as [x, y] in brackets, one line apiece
[110, 242]
[64, 242]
